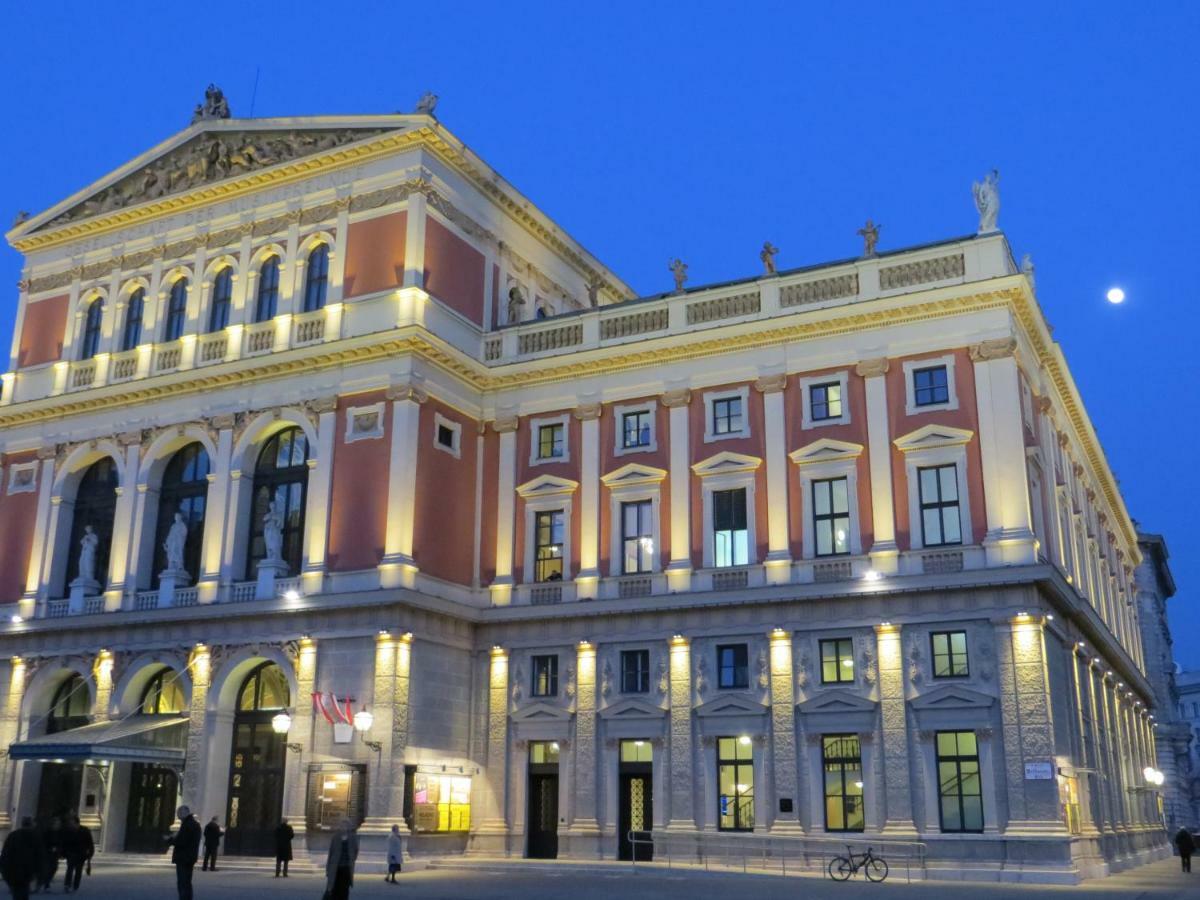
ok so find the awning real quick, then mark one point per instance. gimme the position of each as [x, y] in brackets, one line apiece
[147, 739]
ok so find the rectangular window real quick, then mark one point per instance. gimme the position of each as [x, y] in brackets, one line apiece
[550, 441]
[548, 545]
[637, 537]
[445, 436]
[735, 783]
[949, 654]
[635, 429]
[825, 401]
[831, 517]
[727, 415]
[837, 661]
[960, 789]
[335, 791]
[930, 386]
[441, 802]
[545, 676]
[842, 760]
[543, 753]
[637, 752]
[730, 547]
[733, 669]
[635, 671]
[941, 524]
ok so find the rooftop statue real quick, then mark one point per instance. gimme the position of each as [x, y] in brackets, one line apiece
[427, 104]
[679, 269]
[21, 217]
[767, 255]
[1027, 269]
[987, 201]
[870, 235]
[215, 106]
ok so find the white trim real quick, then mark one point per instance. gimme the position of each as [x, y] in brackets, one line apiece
[936, 445]
[535, 427]
[455, 448]
[619, 412]
[722, 472]
[629, 484]
[842, 379]
[17, 484]
[821, 460]
[546, 494]
[709, 398]
[910, 405]
[354, 413]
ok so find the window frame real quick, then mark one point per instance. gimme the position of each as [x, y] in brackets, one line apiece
[838, 660]
[135, 301]
[260, 296]
[831, 518]
[648, 408]
[940, 505]
[455, 428]
[316, 287]
[92, 332]
[957, 760]
[739, 670]
[728, 471]
[176, 313]
[634, 483]
[844, 763]
[711, 398]
[950, 654]
[714, 531]
[354, 433]
[737, 762]
[563, 562]
[535, 435]
[550, 661]
[643, 555]
[189, 497]
[926, 447]
[273, 480]
[641, 675]
[220, 302]
[911, 366]
[808, 384]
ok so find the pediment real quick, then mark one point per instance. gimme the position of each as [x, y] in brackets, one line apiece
[633, 474]
[547, 486]
[630, 709]
[953, 696]
[730, 705]
[826, 450]
[726, 462]
[836, 701]
[541, 712]
[934, 436]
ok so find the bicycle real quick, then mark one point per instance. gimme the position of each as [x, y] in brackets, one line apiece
[842, 867]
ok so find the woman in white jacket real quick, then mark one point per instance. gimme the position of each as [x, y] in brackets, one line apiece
[395, 852]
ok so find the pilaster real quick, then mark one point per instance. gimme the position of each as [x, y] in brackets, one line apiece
[894, 752]
[494, 822]
[885, 556]
[681, 809]
[583, 823]
[219, 486]
[199, 667]
[383, 695]
[414, 241]
[10, 724]
[779, 557]
[121, 551]
[502, 585]
[302, 735]
[588, 581]
[783, 731]
[397, 569]
[316, 520]
[41, 532]
[679, 569]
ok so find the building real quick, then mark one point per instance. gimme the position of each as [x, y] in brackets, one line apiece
[1188, 686]
[1155, 585]
[339, 480]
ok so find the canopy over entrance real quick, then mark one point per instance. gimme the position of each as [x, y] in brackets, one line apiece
[145, 739]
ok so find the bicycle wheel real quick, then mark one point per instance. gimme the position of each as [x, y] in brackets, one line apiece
[840, 868]
[877, 869]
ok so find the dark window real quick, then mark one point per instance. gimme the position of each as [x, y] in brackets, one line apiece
[69, 706]
[316, 280]
[134, 312]
[949, 654]
[831, 517]
[184, 491]
[730, 547]
[930, 386]
[727, 415]
[735, 783]
[222, 296]
[176, 310]
[95, 505]
[940, 520]
[637, 537]
[825, 401]
[841, 756]
[960, 789]
[545, 676]
[445, 436]
[548, 546]
[90, 345]
[635, 671]
[837, 661]
[267, 301]
[280, 477]
[550, 441]
[163, 695]
[733, 669]
[635, 429]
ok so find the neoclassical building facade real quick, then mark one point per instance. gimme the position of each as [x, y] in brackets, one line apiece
[337, 479]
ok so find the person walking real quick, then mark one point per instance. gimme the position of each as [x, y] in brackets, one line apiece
[89, 849]
[1186, 845]
[212, 840]
[339, 865]
[51, 838]
[21, 859]
[75, 850]
[186, 849]
[283, 846]
[395, 854]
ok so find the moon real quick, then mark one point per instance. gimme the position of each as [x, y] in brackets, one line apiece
[1115, 295]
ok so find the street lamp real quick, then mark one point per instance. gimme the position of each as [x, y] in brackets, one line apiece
[281, 724]
[363, 720]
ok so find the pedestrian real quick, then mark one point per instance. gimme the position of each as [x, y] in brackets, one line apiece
[185, 844]
[75, 850]
[395, 853]
[283, 846]
[21, 859]
[339, 866]
[212, 840]
[1186, 845]
[51, 838]
[89, 849]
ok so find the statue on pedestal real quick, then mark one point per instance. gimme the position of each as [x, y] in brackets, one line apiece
[516, 299]
[174, 544]
[987, 200]
[215, 106]
[1027, 269]
[87, 554]
[273, 533]
[767, 256]
[870, 235]
[679, 269]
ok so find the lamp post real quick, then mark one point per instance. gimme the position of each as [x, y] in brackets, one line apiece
[363, 720]
[281, 724]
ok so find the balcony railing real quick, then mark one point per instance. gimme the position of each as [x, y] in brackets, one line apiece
[212, 348]
[124, 366]
[309, 328]
[260, 338]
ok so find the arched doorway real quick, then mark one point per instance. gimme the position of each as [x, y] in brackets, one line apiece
[95, 506]
[185, 491]
[153, 790]
[61, 783]
[256, 763]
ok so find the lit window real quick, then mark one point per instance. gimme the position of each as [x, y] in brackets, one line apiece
[831, 517]
[941, 523]
[730, 540]
[960, 789]
[545, 676]
[825, 401]
[733, 669]
[930, 386]
[949, 654]
[727, 415]
[837, 661]
[441, 802]
[735, 781]
[550, 441]
[635, 429]
[162, 696]
[637, 537]
[222, 295]
[841, 757]
[635, 671]
[548, 545]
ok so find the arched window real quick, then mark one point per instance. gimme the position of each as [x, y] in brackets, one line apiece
[176, 310]
[163, 696]
[95, 505]
[280, 477]
[184, 491]
[90, 344]
[133, 320]
[222, 295]
[268, 290]
[266, 688]
[317, 278]
[69, 708]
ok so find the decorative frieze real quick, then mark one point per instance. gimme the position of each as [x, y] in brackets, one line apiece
[633, 324]
[819, 290]
[723, 308]
[926, 271]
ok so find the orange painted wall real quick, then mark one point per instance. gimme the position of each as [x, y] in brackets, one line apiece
[660, 458]
[358, 511]
[526, 472]
[490, 502]
[42, 331]
[454, 271]
[444, 541]
[17, 514]
[375, 255]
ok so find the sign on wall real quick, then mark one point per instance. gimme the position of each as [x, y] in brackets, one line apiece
[1039, 771]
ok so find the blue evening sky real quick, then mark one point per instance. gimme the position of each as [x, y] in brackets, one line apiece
[650, 130]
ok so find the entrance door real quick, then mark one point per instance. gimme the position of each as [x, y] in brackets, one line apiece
[543, 816]
[635, 803]
[58, 792]
[153, 791]
[255, 789]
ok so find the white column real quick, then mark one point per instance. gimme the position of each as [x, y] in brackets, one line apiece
[884, 553]
[219, 485]
[588, 582]
[679, 569]
[121, 549]
[397, 567]
[316, 518]
[1009, 539]
[501, 589]
[779, 557]
[42, 545]
[414, 241]
[337, 256]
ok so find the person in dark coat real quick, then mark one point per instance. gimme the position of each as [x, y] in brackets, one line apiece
[1186, 845]
[21, 859]
[185, 844]
[284, 833]
[212, 840]
[51, 838]
[77, 849]
[339, 865]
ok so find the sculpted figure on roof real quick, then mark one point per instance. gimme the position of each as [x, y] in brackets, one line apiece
[987, 200]
[215, 106]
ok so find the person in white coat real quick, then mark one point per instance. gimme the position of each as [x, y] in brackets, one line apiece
[395, 853]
